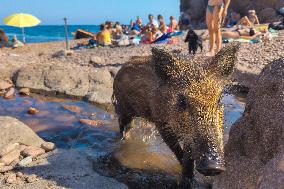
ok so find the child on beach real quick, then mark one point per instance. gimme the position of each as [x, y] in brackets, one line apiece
[216, 12]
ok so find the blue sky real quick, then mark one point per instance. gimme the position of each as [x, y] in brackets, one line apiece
[89, 11]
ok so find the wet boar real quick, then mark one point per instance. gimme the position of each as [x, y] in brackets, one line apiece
[182, 98]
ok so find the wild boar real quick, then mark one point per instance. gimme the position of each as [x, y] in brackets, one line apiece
[182, 98]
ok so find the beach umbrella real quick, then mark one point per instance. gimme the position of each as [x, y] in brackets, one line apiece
[21, 20]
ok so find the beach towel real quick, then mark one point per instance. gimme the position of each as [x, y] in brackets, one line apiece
[272, 33]
[177, 33]
[229, 40]
[163, 38]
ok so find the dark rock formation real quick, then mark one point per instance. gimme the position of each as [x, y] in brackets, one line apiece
[255, 151]
[266, 10]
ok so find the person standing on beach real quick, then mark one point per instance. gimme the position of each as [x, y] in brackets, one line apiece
[216, 12]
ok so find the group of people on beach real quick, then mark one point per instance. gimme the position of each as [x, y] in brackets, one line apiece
[115, 33]
[5, 42]
[157, 31]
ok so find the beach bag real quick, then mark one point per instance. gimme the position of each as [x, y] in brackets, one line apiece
[124, 41]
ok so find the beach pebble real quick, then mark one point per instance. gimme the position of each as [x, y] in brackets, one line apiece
[15, 162]
[74, 109]
[62, 53]
[25, 91]
[4, 85]
[7, 159]
[12, 178]
[90, 122]
[95, 60]
[26, 161]
[10, 147]
[48, 146]
[5, 169]
[2, 92]
[31, 178]
[21, 147]
[32, 151]
[10, 93]
[33, 111]
[19, 174]
[2, 164]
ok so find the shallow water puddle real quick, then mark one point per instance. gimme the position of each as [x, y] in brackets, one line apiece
[144, 151]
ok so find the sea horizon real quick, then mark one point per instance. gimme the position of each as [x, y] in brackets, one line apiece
[46, 33]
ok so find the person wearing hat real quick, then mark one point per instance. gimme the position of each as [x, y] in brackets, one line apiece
[253, 17]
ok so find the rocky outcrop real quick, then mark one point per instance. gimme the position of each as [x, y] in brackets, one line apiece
[14, 131]
[59, 169]
[94, 85]
[255, 150]
[266, 10]
[40, 165]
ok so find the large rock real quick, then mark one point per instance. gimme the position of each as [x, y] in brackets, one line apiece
[14, 131]
[198, 8]
[5, 85]
[255, 150]
[69, 81]
[65, 169]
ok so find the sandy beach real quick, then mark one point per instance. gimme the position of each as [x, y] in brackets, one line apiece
[251, 57]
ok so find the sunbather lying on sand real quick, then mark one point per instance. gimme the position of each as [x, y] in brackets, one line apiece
[246, 33]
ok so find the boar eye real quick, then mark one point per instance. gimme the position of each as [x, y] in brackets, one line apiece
[181, 102]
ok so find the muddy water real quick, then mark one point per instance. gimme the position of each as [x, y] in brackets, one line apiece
[144, 151]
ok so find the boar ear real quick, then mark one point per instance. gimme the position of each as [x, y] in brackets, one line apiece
[166, 64]
[223, 63]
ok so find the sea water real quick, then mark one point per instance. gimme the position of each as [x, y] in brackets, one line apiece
[46, 33]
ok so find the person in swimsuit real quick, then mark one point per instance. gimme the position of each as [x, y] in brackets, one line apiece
[162, 25]
[245, 22]
[173, 24]
[216, 12]
[247, 33]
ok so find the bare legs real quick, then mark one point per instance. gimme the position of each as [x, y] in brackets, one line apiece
[213, 21]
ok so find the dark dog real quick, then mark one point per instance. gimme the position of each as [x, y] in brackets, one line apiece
[193, 41]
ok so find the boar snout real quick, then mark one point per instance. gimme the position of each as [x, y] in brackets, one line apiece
[210, 165]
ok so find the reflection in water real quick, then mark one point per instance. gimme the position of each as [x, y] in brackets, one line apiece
[144, 151]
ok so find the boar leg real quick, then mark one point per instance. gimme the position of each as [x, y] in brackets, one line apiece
[125, 125]
[172, 141]
[187, 170]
